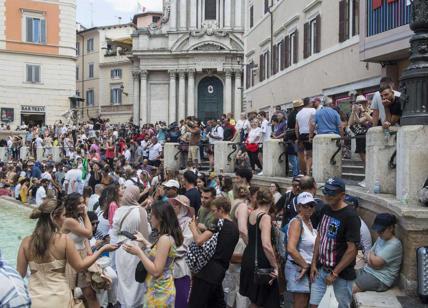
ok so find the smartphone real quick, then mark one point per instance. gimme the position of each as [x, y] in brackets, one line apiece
[129, 235]
[121, 242]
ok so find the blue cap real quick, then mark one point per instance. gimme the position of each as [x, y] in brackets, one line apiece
[383, 221]
[333, 186]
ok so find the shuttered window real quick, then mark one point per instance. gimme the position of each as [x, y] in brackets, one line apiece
[251, 16]
[116, 73]
[91, 70]
[33, 73]
[35, 30]
[294, 49]
[77, 73]
[312, 37]
[90, 98]
[90, 45]
[116, 96]
[266, 6]
[349, 19]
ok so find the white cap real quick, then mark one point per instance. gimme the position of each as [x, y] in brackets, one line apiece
[361, 98]
[305, 198]
[172, 184]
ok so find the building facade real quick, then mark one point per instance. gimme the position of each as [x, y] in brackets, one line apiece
[104, 72]
[307, 48]
[37, 60]
[189, 63]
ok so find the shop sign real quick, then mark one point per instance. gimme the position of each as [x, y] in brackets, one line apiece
[35, 109]
[7, 114]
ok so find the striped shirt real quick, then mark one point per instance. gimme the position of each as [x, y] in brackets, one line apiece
[13, 289]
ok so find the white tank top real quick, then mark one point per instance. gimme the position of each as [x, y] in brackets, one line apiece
[307, 242]
[79, 241]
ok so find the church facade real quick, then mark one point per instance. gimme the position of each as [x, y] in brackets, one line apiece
[188, 61]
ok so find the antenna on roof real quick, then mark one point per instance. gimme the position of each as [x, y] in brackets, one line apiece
[119, 19]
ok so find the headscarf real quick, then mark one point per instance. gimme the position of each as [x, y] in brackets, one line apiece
[131, 196]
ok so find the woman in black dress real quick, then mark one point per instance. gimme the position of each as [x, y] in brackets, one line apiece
[260, 222]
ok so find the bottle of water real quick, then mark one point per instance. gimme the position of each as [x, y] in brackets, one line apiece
[376, 187]
[405, 198]
[386, 134]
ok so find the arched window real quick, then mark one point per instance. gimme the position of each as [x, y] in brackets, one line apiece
[210, 9]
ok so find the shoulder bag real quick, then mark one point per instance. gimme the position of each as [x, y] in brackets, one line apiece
[261, 275]
[197, 257]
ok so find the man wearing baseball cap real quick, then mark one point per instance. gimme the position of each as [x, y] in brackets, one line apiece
[171, 188]
[335, 247]
[288, 202]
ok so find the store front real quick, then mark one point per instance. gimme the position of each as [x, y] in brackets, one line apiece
[33, 115]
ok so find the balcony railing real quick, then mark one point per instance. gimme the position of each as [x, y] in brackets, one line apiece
[388, 16]
[116, 108]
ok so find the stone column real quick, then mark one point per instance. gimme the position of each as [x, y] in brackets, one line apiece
[193, 14]
[173, 16]
[238, 94]
[171, 158]
[172, 96]
[238, 14]
[136, 102]
[273, 160]
[378, 154]
[191, 93]
[227, 14]
[228, 92]
[143, 98]
[412, 169]
[323, 149]
[182, 95]
[222, 150]
[183, 14]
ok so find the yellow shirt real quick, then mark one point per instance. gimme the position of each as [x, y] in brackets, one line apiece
[23, 194]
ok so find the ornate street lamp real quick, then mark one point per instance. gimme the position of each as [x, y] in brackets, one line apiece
[414, 80]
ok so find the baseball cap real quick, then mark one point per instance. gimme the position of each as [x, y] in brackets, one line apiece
[333, 186]
[171, 184]
[383, 221]
[305, 198]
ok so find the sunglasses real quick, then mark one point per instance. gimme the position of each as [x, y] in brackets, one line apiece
[308, 205]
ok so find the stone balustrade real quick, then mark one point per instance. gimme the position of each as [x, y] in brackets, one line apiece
[274, 158]
[326, 157]
[225, 156]
[172, 156]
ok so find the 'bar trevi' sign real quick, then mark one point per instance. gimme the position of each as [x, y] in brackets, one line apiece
[38, 109]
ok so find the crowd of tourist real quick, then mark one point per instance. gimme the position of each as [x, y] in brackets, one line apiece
[114, 227]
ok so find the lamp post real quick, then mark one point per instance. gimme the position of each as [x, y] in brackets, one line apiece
[414, 80]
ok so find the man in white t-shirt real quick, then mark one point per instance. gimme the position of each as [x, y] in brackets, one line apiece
[73, 180]
[41, 191]
[155, 150]
[265, 126]
[303, 122]
[377, 106]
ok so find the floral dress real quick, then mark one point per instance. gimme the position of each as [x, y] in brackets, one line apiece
[161, 291]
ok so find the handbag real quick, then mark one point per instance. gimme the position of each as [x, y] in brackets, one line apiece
[261, 275]
[197, 257]
[251, 147]
[358, 129]
[140, 273]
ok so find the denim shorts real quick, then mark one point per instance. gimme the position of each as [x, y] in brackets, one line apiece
[342, 290]
[367, 282]
[292, 272]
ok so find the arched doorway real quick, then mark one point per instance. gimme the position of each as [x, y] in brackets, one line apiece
[210, 98]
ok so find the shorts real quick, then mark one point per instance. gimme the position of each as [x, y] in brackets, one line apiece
[342, 289]
[360, 142]
[292, 272]
[193, 153]
[367, 282]
[304, 140]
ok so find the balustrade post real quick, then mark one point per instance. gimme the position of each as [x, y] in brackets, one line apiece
[225, 156]
[327, 157]
[273, 159]
[172, 156]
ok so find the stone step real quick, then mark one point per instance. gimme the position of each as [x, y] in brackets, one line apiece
[353, 176]
[386, 299]
[352, 162]
[354, 169]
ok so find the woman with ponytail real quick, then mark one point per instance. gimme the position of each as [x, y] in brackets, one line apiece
[46, 253]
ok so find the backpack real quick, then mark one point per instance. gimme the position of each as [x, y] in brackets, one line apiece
[285, 232]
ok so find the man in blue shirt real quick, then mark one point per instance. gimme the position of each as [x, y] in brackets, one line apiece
[327, 121]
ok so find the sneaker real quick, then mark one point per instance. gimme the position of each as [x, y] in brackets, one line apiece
[260, 173]
[362, 184]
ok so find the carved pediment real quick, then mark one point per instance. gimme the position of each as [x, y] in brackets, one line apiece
[209, 47]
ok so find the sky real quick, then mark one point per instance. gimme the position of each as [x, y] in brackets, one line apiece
[107, 12]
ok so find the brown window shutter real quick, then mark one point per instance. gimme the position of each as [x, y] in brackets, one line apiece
[296, 47]
[277, 53]
[306, 40]
[318, 34]
[342, 25]
[261, 70]
[283, 53]
[356, 17]
[274, 60]
[268, 64]
[287, 51]
[247, 76]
